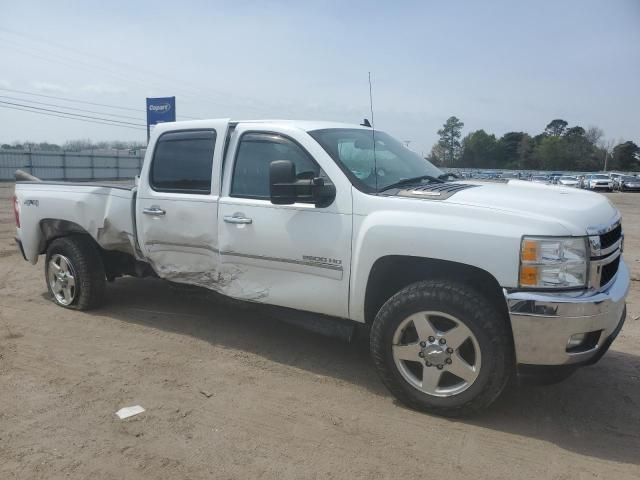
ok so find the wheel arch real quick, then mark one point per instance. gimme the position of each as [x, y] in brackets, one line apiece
[116, 263]
[392, 273]
[52, 228]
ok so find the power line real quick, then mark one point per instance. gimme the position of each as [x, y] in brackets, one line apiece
[73, 114]
[122, 66]
[187, 88]
[69, 99]
[85, 102]
[70, 108]
[75, 63]
[70, 118]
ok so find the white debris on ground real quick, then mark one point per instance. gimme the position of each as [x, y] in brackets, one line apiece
[127, 412]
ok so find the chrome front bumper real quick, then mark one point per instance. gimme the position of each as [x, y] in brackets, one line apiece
[543, 323]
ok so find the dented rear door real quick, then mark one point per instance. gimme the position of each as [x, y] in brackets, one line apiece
[177, 204]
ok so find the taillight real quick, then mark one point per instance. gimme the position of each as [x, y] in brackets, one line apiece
[16, 210]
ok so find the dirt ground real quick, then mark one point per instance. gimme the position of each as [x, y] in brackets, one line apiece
[232, 393]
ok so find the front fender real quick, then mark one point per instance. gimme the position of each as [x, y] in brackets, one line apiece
[483, 238]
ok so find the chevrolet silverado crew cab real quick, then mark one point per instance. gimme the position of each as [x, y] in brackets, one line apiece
[463, 283]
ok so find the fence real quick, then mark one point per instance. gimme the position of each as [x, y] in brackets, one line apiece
[69, 165]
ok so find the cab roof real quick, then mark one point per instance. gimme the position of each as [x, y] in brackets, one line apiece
[306, 125]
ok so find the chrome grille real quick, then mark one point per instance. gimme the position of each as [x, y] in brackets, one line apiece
[606, 248]
[609, 271]
[609, 238]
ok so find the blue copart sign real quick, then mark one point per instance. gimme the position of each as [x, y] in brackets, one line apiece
[160, 110]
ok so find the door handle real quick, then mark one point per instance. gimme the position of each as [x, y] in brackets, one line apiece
[155, 211]
[237, 218]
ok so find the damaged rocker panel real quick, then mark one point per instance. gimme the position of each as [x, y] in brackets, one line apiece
[305, 262]
[151, 243]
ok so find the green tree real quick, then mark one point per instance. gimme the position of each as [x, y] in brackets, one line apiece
[626, 157]
[508, 156]
[571, 151]
[580, 153]
[559, 147]
[575, 132]
[549, 153]
[479, 150]
[525, 153]
[450, 134]
[556, 127]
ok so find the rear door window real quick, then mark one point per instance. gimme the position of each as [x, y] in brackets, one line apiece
[183, 161]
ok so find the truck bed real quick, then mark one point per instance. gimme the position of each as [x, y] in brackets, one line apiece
[104, 211]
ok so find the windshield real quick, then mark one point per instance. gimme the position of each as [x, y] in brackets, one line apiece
[601, 177]
[352, 149]
[630, 178]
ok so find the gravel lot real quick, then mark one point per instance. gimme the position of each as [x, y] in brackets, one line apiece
[278, 402]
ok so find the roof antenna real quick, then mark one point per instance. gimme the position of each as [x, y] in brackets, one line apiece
[373, 134]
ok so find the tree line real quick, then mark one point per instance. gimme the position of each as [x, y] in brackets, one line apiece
[74, 146]
[558, 147]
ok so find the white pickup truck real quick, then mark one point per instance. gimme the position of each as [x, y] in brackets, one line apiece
[463, 283]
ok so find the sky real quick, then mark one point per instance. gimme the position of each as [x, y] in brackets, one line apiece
[497, 65]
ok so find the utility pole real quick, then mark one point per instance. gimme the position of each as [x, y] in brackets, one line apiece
[607, 147]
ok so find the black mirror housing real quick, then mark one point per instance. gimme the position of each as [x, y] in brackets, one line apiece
[282, 182]
[286, 188]
[323, 193]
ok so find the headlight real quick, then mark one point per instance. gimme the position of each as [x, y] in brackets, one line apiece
[553, 262]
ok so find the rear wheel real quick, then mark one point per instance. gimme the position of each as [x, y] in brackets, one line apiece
[74, 273]
[442, 347]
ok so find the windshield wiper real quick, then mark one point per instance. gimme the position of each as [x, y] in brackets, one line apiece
[409, 181]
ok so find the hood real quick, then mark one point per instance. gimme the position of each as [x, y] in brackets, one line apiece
[577, 210]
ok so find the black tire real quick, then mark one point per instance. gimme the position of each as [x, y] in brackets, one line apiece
[88, 271]
[487, 323]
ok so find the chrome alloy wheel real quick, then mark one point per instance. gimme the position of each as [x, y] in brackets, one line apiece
[436, 353]
[62, 279]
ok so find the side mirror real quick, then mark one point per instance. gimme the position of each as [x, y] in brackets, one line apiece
[282, 182]
[323, 193]
[286, 188]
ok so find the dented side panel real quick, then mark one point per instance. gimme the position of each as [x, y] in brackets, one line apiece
[181, 245]
[180, 241]
[101, 211]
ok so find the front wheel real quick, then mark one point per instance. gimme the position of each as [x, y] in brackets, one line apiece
[442, 347]
[74, 273]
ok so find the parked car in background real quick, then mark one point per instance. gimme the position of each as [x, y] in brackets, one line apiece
[599, 181]
[540, 179]
[627, 183]
[511, 175]
[568, 181]
[553, 178]
[581, 181]
[615, 177]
